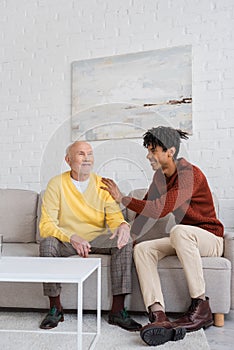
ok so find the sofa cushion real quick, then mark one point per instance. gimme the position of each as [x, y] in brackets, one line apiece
[153, 228]
[212, 263]
[139, 194]
[18, 215]
[21, 249]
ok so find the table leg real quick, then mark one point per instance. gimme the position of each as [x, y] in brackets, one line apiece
[79, 315]
[99, 300]
[98, 331]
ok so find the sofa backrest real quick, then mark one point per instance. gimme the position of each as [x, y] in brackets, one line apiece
[153, 228]
[20, 212]
[18, 215]
[40, 197]
[216, 203]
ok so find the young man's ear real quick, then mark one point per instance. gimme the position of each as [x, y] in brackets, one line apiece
[171, 151]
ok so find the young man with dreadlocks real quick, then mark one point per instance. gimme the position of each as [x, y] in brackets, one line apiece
[180, 188]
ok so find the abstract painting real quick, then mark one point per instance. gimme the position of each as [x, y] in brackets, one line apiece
[122, 96]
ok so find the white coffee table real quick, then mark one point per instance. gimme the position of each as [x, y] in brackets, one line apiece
[64, 270]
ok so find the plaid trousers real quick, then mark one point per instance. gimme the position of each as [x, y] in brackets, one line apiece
[121, 261]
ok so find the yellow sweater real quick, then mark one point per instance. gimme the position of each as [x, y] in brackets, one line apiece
[66, 211]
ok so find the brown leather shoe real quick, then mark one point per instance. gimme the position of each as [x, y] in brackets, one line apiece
[160, 330]
[158, 316]
[198, 316]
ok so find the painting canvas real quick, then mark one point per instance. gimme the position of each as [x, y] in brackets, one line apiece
[122, 96]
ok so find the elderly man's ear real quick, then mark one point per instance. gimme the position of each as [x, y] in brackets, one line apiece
[67, 159]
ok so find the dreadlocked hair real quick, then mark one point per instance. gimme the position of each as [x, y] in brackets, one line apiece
[165, 137]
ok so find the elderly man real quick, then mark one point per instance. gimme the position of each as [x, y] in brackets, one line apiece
[180, 188]
[78, 217]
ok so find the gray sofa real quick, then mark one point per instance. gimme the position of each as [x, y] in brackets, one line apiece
[19, 215]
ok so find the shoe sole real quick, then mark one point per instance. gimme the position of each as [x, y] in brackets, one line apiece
[160, 335]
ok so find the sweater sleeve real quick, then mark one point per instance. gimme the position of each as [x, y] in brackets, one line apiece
[49, 222]
[113, 214]
[175, 197]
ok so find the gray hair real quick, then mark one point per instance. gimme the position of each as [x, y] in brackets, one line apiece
[68, 149]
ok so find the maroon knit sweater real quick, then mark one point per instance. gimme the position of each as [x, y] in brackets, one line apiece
[186, 194]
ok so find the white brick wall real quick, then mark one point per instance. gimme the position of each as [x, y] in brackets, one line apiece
[40, 38]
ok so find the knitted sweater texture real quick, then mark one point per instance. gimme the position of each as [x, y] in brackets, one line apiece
[66, 211]
[186, 194]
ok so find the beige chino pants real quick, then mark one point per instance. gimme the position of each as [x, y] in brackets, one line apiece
[189, 243]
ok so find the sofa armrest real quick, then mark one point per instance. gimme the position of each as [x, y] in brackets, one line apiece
[229, 254]
[229, 246]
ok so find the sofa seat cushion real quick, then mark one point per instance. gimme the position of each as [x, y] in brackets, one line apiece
[105, 258]
[20, 249]
[214, 263]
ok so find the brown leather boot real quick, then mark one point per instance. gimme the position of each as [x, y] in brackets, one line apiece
[160, 330]
[158, 316]
[198, 316]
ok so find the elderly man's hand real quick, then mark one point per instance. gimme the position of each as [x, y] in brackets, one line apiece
[123, 233]
[113, 189]
[80, 245]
